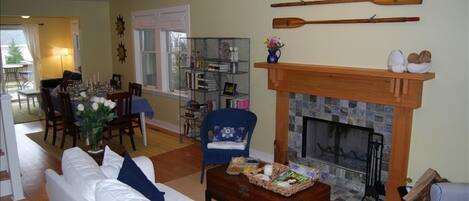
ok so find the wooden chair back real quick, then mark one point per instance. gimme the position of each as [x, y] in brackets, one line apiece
[123, 102]
[66, 109]
[47, 104]
[135, 89]
[65, 84]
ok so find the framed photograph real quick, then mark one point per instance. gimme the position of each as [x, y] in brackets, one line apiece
[229, 89]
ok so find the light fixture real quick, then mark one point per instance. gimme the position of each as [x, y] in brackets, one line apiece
[25, 16]
[61, 52]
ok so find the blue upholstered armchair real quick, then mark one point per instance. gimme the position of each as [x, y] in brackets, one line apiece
[225, 118]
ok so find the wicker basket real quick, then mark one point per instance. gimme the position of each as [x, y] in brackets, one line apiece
[277, 170]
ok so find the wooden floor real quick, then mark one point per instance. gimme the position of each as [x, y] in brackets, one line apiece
[34, 161]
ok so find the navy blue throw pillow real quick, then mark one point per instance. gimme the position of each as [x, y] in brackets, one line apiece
[235, 134]
[133, 176]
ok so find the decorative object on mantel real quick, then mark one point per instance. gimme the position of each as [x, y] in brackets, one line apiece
[121, 53]
[120, 25]
[295, 22]
[94, 113]
[273, 45]
[378, 2]
[419, 63]
[396, 61]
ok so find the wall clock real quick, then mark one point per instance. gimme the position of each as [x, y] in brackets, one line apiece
[120, 25]
[121, 53]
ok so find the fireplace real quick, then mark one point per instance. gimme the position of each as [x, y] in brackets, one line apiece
[353, 148]
[400, 91]
[348, 140]
[340, 144]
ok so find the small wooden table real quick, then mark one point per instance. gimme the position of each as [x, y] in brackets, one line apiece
[28, 93]
[222, 186]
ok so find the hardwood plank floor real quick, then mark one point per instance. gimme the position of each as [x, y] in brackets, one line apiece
[34, 161]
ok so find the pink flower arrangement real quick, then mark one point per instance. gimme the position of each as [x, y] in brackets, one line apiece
[274, 43]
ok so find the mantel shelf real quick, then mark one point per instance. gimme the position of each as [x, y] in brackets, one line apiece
[313, 68]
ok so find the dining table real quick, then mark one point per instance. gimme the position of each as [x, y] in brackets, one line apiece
[140, 105]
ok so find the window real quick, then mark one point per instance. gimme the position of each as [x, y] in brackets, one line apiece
[157, 39]
[173, 40]
[148, 56]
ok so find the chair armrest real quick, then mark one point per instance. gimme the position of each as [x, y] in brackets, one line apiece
[449, 192]
[145, 164]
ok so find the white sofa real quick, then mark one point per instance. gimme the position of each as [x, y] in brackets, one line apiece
[85, 176]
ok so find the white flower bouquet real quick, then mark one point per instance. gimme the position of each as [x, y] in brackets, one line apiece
[93, 114]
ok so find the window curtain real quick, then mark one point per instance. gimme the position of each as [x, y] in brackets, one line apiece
[31, 32]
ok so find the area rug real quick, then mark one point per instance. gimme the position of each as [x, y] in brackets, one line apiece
[158, 143]
[23, 115]
[190, 186]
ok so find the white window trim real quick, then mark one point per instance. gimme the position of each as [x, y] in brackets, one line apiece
[151, 22]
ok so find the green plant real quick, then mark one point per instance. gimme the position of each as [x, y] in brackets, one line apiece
[14, 54]
[93, 115]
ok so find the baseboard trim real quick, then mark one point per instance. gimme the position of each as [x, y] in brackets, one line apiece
[5, 188]
[267, 157]
[162, 125]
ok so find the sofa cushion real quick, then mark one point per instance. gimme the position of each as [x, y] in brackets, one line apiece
[112, 163]
[114, 190]
[81, 172]
[133, 176]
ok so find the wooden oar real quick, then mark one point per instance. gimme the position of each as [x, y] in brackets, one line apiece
[378, 2]
[294, 22]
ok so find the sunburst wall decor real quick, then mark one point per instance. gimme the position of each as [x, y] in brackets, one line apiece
[121, 53]
[120, 25]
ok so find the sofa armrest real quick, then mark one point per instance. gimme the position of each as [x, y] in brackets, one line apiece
[449, 192]
[58, 189]
[145, 164]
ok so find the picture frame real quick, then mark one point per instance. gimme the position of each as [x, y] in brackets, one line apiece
[229, 89]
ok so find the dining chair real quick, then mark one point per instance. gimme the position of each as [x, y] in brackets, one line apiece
[70, 126]
[135, 89]
[123, 120]
[65, 84]
[225, 118]
[53, 117]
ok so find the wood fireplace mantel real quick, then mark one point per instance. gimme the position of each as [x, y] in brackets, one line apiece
[401, 90]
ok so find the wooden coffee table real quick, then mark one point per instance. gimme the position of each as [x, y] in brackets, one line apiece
[221, 186]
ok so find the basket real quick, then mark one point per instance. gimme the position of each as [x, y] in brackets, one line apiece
[277, 170]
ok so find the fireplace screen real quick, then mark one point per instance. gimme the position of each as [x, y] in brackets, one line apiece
[333, 142]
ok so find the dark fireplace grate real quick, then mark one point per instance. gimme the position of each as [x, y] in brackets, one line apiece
[353, 148]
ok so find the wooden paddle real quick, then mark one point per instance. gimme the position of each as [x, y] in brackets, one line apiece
[378, 2]
[294, 22]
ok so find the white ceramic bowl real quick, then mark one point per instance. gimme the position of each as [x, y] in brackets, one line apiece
[419, 68]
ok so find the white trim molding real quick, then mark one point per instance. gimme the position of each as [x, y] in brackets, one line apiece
[165, 125]
[267, 157]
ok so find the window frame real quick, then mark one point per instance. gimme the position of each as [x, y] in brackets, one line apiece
[161, 22]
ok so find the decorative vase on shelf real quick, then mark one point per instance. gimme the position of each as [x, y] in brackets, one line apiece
[274, 55]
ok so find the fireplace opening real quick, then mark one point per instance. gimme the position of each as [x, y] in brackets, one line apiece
[353, 148]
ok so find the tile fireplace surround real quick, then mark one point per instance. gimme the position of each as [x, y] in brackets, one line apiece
[346, 185]
[402, 91]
